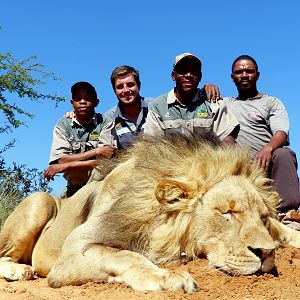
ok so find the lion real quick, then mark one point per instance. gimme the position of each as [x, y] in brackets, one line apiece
[166, 200]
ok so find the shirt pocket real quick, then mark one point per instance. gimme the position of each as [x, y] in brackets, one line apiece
[204, 123]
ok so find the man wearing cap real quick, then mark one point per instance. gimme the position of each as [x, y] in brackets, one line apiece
[185, 108]
[75, 147]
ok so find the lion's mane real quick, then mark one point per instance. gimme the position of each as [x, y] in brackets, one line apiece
[197, 162]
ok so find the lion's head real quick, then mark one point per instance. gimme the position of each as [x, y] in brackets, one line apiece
[228, 223]
[179, 195]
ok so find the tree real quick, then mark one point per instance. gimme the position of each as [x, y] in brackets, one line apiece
[19, 79]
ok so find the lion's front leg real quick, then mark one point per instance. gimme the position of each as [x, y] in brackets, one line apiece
[82, 261]
[141, 274]
[20, 233]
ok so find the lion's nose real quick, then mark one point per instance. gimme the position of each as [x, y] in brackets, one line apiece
[267, 257]
[260, 252]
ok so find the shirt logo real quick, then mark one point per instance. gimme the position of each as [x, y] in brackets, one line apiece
[202, 113]
[167, 115]
[254, 116]
[94, 135]
[119, 124]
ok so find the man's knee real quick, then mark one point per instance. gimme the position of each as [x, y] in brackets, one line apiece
[285, 155]
[283, 171]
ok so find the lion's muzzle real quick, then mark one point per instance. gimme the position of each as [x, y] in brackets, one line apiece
[267, 257]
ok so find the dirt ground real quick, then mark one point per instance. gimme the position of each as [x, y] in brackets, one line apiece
[283, 283]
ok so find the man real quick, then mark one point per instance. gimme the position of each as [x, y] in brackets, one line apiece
[264, 130]
[75, 147]
[185, 108]
[128, 118]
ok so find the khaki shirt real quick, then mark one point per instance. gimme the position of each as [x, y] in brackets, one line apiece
[70, 137]
[167, 114]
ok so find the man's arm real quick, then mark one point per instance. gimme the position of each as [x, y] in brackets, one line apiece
[106, 151]
[53, 169]
[279, 126]
[108, 135]
[153, 124]
[230, 139]
[226, 126]
[84, 161]
[264, 156]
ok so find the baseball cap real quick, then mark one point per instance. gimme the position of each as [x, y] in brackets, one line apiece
[180, 57]
[83, 85]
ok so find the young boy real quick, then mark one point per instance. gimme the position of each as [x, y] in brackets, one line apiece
[75, 147]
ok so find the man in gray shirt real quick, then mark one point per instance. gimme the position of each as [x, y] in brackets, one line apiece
[264, 130]
[185, 108]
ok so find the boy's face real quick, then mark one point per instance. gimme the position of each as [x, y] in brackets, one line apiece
[84, 103]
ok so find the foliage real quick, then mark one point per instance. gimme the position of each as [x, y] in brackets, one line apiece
[17, 182]
[20, 78]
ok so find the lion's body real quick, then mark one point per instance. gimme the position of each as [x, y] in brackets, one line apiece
[165, 197]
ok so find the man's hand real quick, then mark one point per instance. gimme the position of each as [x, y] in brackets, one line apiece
[263, 157]
[70, 114]
[212, 92]
[50, 172]
[106, 151]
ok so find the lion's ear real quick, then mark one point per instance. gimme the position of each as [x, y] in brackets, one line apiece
[173, 194]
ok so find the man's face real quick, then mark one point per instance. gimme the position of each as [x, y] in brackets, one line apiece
[84, 103]
[127, 90]
[244, 74]
[187, 76]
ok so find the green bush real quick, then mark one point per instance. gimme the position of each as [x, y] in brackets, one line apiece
[17, 182]
[9, 199]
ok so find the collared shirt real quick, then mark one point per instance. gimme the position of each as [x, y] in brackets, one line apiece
[166, 113]
[259, 118]
[118, 130]
[70, 137]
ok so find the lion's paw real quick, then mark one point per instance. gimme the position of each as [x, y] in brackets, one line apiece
[13, 272]
[166, 280]
[176, 281]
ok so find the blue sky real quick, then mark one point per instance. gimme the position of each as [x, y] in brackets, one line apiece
[86, 40]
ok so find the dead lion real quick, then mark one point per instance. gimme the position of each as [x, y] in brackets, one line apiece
[166, 197]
